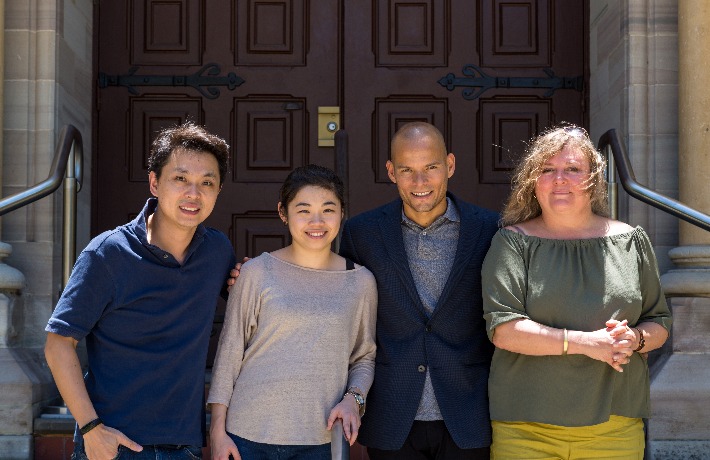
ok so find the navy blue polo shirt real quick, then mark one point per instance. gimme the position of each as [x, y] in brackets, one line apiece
[147, 322]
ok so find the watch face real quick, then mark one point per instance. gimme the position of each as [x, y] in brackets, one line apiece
[360, 404]
[359, 400]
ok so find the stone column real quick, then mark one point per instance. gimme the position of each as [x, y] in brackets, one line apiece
[15, 416]
[25, 381]
[693, 117]
[16, 411]
[680, 425]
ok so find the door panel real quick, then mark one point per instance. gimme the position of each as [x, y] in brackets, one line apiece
[270, 138]
[395, 56]
[417, 44]
[515, 33]
[411, 34]
[272, 46]
[173, 33]
[273, 33]
[503, 124]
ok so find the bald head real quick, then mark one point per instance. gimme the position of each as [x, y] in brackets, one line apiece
[421, 168]
[418, 132]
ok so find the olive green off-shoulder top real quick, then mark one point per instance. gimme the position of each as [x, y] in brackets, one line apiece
[578, 285]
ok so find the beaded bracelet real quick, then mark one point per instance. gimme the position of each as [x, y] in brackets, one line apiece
[642, 341]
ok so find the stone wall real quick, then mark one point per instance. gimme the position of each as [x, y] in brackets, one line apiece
[633, 88]
[47, 84]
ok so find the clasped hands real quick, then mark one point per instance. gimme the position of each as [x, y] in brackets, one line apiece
[615, 344]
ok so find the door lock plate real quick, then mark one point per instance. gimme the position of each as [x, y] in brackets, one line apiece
[328, 124]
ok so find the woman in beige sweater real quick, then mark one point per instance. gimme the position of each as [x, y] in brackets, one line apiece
[298, 346]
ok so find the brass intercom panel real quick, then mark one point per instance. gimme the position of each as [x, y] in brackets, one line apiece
[328, 124]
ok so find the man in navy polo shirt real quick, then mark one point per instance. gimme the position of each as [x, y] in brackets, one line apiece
[143, 295]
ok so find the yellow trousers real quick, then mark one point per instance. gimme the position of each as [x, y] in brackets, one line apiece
[621, 438]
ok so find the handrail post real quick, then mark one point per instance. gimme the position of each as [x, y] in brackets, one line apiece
[341, 169]
[612, 186]
[69, 224]
[67, 167]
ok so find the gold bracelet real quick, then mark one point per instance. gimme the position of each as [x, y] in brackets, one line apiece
[565, 345]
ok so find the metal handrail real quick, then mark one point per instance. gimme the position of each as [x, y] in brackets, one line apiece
[628, 181]
[64, 155]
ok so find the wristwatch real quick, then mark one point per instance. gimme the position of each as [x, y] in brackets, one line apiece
[359, 399]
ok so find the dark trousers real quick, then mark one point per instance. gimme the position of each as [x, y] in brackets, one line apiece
[161, 452]
[250, 450]
[429, 441]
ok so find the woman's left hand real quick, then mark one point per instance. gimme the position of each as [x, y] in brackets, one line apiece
[349, 412]
[624, 340]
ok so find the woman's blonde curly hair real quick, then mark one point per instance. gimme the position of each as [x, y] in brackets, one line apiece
[522, 204]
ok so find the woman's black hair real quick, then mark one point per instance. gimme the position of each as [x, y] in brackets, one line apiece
[315, 175]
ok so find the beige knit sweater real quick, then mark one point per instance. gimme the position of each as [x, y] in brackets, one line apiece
[294, 340]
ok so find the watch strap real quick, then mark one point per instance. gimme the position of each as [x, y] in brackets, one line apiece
[359, 399]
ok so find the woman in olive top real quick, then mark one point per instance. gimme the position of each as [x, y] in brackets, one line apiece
[572, 301]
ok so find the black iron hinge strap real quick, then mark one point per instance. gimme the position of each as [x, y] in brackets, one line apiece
[206, 80]
[476, 78]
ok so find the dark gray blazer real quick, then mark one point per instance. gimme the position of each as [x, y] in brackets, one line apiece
[452, 344]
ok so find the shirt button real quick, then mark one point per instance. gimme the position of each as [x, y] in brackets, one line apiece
[421, 368]
[165, 256]
[424, 233]
[428, 328]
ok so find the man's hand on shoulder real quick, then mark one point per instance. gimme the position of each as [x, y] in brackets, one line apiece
[234, 273]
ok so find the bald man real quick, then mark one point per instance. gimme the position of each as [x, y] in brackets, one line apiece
[429, 398]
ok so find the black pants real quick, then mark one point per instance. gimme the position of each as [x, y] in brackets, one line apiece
[429, 441]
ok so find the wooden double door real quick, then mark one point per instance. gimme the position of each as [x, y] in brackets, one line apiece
[488, 73]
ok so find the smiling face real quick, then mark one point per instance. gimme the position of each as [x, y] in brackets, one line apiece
[187, 189]
[314, 216]
[563, 185]
[421, 168]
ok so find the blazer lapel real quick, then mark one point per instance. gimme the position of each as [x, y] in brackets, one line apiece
[391, 228]
[469, 235]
